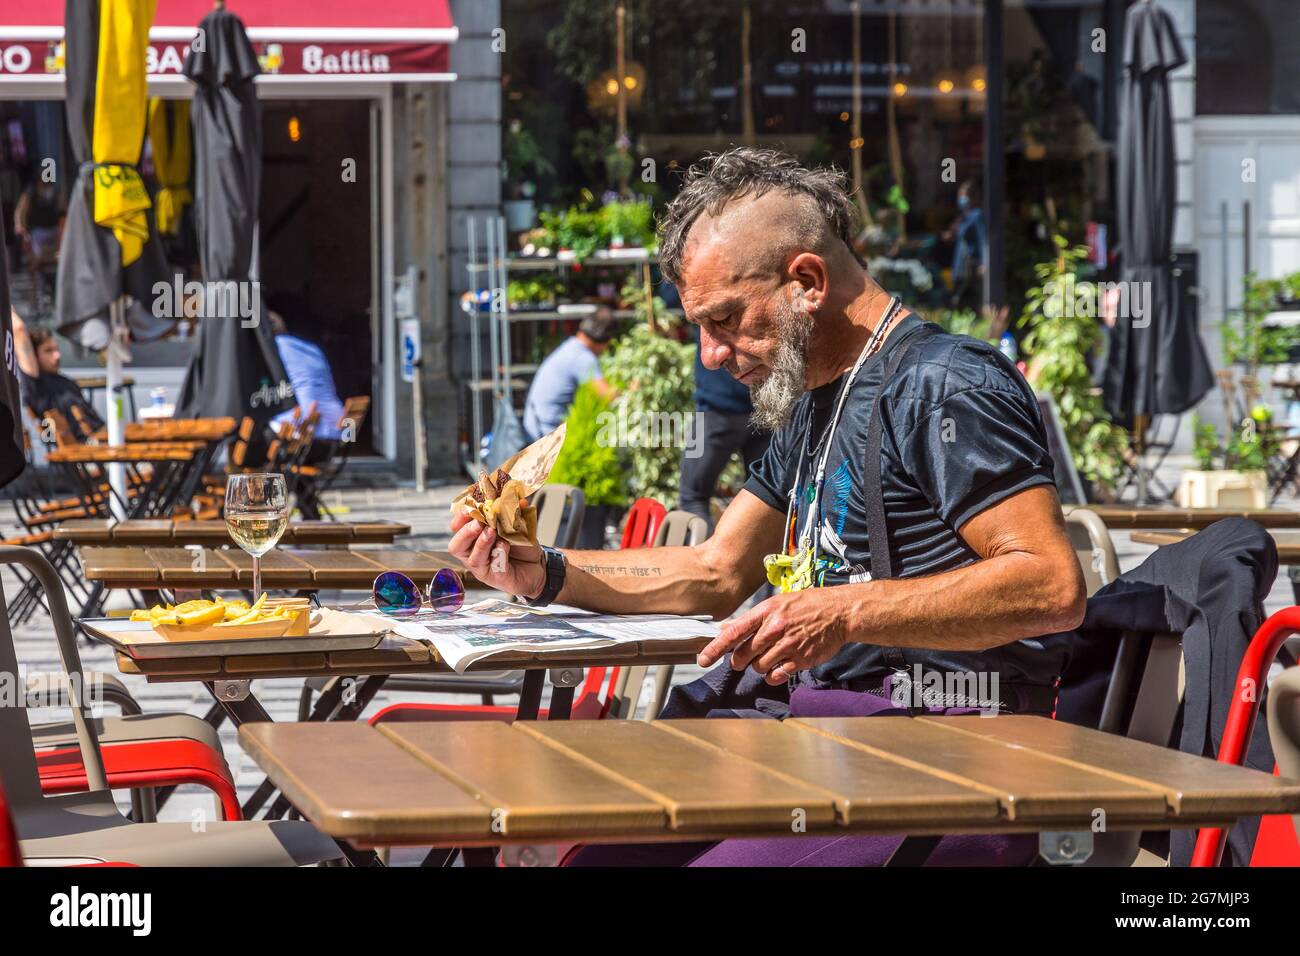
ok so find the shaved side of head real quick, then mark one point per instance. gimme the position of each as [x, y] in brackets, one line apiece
[804, 208]
[765, 232]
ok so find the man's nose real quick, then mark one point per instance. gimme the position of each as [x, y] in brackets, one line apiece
[713, 353]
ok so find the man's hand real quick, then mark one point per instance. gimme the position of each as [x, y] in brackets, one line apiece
[515, 569]
[785, 634]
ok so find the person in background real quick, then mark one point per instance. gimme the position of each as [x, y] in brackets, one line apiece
[43, 386]
[309, 374]
[38, 219]
[721, 428]
[574, 361]
[969, 239]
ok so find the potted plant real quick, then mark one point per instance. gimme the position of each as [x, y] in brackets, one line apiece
[574, 234]
[590, 462]
[654, 371]
[628, 223]
[1234, 475]
[1057, 343]
[523, 160]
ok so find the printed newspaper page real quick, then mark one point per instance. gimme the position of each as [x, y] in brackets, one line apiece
[493, 627]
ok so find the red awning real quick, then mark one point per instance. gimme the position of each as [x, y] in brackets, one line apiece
[393, 40]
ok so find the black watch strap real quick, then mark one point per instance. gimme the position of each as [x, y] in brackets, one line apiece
[556, 567]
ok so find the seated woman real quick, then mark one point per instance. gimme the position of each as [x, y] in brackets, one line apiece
[43, 387]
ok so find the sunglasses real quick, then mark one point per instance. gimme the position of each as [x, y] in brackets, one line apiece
[397, 595]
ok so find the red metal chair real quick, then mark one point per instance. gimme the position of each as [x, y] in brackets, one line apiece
[591, 704]
[643, 520]
[1252, 676]
[156, 763]
[9, 852]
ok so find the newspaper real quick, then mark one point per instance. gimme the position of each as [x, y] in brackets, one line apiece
[494, 627]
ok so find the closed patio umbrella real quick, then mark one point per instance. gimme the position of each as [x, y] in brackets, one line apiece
[169, 135]
[1156, 363]
[109, 250]
[12, 459]
[235, 370]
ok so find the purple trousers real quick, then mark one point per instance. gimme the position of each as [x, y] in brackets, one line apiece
[1018, 849]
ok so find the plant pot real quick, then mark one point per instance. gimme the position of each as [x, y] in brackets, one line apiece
[594, 519]
[521, 214]
[1223, 489]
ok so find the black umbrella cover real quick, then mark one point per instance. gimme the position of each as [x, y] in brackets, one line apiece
[90, 260]
[12, 459]
[236, 370]
[1157, 362]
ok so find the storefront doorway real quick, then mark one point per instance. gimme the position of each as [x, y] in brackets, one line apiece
[316, 231]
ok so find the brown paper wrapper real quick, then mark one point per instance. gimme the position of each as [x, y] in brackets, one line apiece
[500, 500]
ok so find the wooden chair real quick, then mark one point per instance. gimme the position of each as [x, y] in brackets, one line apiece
[318, 475]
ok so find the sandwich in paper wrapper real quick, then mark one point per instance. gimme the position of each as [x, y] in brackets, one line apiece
[499, 500]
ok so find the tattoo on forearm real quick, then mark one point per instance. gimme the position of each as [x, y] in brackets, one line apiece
[638, 572]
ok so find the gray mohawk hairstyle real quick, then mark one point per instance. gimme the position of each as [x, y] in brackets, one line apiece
[752, 171]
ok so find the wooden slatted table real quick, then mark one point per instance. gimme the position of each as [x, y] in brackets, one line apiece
[175, 429]
[292, 569]
[398, 655]
[484, 784]
[1120, 517]
[166, 531]
[1288, 542]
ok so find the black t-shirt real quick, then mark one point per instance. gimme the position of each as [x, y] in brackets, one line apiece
[60, 393]
[960, 432]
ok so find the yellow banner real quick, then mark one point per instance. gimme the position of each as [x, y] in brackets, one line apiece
[120, 95]
[171, 162]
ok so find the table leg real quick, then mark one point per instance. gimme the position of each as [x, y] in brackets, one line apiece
[913, 851]
[243, 709]
[530, 695]
[439, 856]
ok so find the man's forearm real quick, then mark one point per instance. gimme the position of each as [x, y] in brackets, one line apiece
[648, 580]
[986, 604]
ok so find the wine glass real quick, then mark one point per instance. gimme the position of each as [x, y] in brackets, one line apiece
[257, 512]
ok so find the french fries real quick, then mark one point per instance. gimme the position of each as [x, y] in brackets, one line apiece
[221, 613]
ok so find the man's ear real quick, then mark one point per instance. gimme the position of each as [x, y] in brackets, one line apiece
[812, 280]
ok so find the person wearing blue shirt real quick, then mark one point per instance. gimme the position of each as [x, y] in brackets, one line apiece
[970, 237]
[575, 361]
[309, 374]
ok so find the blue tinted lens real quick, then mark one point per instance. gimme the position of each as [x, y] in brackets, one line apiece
[394, 593]
[446, 592]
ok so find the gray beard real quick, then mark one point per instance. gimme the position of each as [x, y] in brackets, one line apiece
[775, 397]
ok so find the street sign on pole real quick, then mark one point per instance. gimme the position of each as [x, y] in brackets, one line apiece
[410, 348]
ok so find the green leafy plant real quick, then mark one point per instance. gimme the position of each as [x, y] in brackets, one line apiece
[586, 461]
[538, 292]
[1058, 343]
[524, 159]
[631, 221]
[1250, 447]
[1205, 444]
[655, 375]
[1247, 341]
[581, 231]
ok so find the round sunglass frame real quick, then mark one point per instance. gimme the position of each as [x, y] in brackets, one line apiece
[396, 595]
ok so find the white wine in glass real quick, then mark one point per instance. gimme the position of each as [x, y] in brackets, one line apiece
[257, 512]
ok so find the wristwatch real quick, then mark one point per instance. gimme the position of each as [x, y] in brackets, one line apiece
[556, 567]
